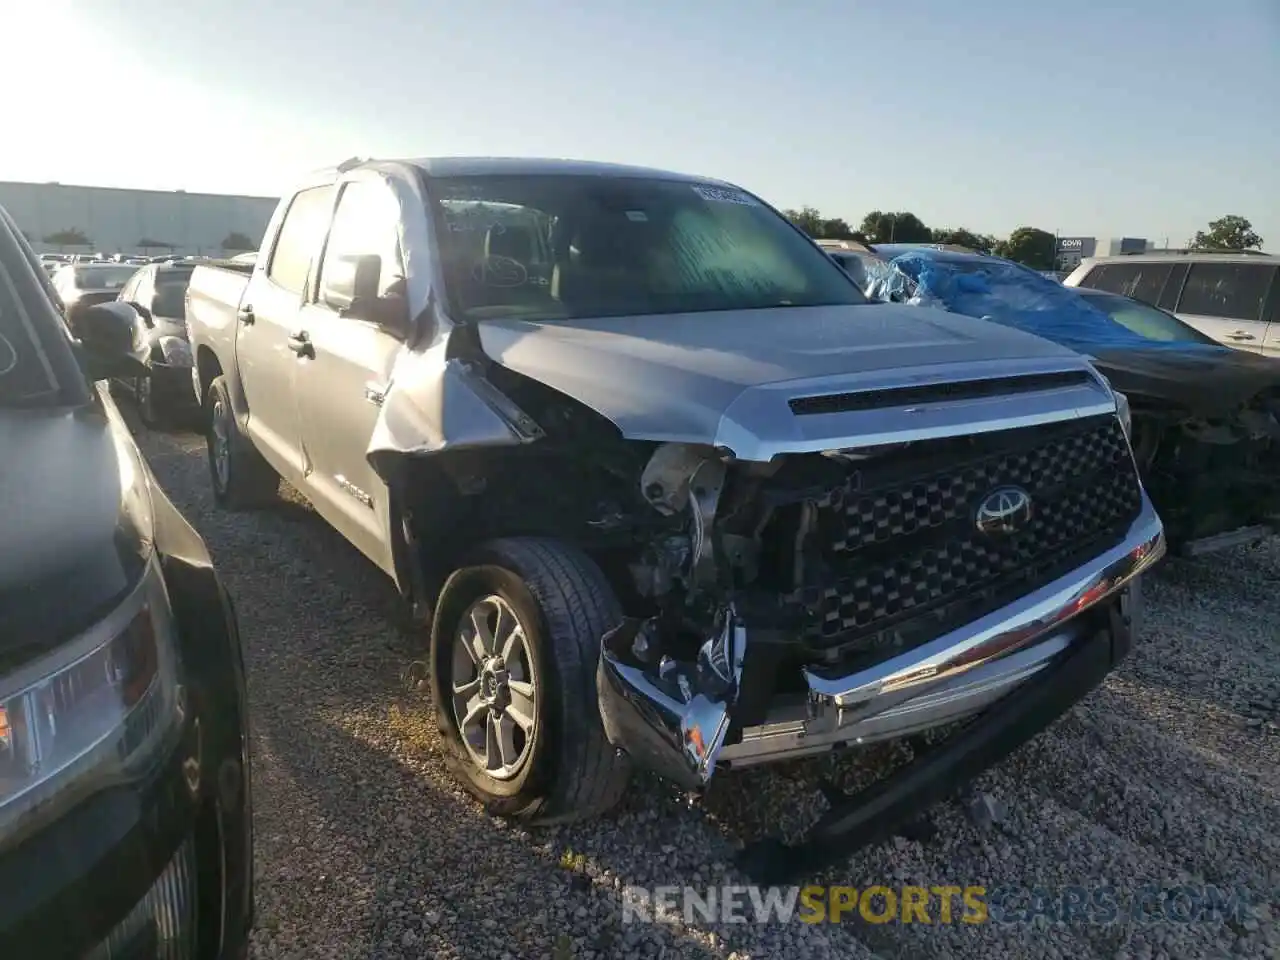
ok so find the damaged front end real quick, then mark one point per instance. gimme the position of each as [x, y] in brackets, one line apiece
[1214, 476]
[672, 718]
[824, 600]
[673, 715]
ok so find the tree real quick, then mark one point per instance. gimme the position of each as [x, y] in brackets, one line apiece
[965, 238]
[147, 243]
[837, 228]
[812, 222]
[237, 241]
[1231, 232]
[1030, 246]
[807, 219]
[71, 237]
[881, 227]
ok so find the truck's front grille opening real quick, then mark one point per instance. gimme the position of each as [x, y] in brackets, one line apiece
[901, 561]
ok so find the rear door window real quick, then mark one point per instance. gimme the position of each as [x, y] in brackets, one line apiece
[169, 299]
[129, 292]
[1142, 281]
[1105, 276]
[1146, 281]
[1233, 291]
[299, 238]
[1173, 287]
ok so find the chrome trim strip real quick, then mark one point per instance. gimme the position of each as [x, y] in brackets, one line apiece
[760, 425]
[790, 731]
[952, 423]
[1013, 627]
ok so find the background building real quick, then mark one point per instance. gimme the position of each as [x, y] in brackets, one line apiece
[73, 219]
[1071, 250]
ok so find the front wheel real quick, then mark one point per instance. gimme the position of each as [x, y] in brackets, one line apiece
[514, 649]
[241, 478]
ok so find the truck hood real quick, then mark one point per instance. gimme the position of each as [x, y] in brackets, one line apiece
[725, 377]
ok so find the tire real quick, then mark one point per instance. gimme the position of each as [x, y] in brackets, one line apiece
[248, 481]
[564, 605]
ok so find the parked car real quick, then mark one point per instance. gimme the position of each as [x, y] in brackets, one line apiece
[81, 285]
[1233, 297]
[1206, 432]
[668, 490]
[156, 294]
[125, 827]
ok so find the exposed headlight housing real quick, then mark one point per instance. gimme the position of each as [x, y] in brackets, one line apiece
[94, 710]
[1124, 413]
[1122, 402]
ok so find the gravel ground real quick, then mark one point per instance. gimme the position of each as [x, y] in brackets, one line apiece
[1168, 774]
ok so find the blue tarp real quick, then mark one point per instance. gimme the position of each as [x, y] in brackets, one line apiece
[994, 289]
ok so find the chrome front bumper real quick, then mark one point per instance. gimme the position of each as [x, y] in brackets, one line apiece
[676, 720]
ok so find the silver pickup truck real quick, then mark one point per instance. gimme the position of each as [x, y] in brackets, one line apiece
[667, 490]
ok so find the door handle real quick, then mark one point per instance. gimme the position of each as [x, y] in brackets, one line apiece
[375, 393]
[300, 343]
[246, 316]
[1241, 335]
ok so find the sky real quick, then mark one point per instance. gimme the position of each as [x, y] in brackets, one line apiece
[1092, 118]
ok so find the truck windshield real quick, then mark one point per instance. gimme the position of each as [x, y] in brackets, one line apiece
[558, 247]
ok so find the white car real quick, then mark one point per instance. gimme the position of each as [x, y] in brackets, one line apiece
[1233, 297]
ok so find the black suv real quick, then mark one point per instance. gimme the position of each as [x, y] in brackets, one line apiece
[157, 294]
[125, 826]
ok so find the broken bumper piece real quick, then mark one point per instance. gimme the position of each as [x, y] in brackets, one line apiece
[675, 718]
[672, 720]
[874, 814]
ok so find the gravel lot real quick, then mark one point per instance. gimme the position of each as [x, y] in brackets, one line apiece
[1170, 773]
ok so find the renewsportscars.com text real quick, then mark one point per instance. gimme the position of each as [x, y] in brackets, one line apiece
[940, 904]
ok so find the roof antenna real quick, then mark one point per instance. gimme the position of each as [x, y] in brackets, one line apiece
[349, 164]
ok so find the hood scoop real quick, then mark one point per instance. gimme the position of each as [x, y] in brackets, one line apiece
[937, 392]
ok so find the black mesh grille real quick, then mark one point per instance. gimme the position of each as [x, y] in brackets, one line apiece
[900, 562]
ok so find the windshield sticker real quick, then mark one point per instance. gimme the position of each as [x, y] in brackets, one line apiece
[637, 216]
[723, 195]
[501, 272]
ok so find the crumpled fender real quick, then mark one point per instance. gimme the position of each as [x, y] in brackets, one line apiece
[436, 404]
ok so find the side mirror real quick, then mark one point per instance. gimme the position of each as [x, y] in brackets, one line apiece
[110, 343]
[350, 286]
[348, 279]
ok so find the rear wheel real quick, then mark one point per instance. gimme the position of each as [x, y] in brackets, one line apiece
[241, 478]
[514, 650]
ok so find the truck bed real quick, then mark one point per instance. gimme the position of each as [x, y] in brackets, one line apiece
[213, 302]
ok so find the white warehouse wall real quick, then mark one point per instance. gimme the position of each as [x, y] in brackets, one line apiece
[115, 220]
